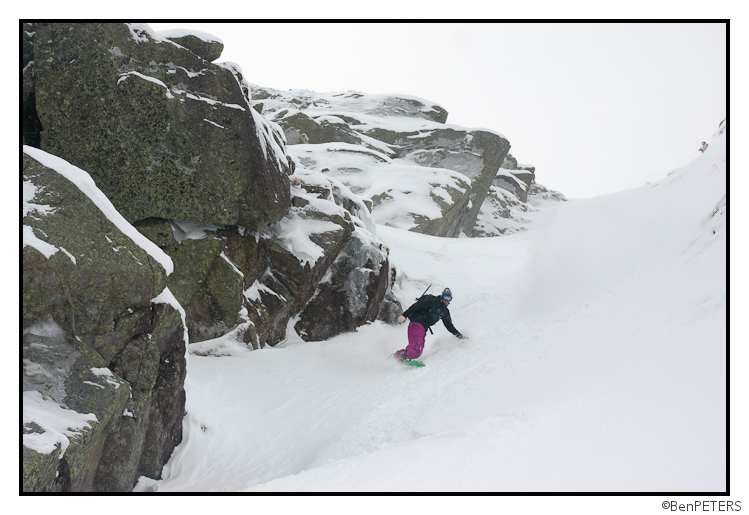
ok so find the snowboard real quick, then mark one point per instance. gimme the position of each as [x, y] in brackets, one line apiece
[412, 363]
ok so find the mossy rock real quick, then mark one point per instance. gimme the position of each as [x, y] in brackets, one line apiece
[95, 292]
[210, 273]
[210, 50]
[163, 132]
[69, 369]
[100, 277]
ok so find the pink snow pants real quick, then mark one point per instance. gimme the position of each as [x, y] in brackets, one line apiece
[416, 335]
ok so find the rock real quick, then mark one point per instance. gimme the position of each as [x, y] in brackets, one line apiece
[351, 292]
[213, 264]
[447, 169]
[539, 192]
[299, 250]
[66, 377]
[94, 341]
[222, 272]
[214, 308]
[501, 213]
[508, 181]
[32, 127]
[475, 154]
[346, 105]
[200, 43]
[300, 128]
[515, 178]
[154, 123]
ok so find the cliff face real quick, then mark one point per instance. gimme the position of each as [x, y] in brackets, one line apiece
[397, 152]
[152, 122]
[164, 214]
[127, 124]
[97, 338]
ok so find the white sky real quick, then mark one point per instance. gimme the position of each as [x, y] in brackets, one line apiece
[597, 108]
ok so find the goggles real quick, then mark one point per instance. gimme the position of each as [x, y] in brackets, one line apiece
[447, 297]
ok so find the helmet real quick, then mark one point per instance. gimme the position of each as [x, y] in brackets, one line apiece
[447, 294]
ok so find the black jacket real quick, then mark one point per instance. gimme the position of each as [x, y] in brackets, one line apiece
[429, 310]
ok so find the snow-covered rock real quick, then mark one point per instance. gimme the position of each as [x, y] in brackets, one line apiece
[95, 344]
[394, 151]
[205, 45]
[352, 292]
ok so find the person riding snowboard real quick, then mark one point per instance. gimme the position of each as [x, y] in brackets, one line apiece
[703, 147]
[425, 312]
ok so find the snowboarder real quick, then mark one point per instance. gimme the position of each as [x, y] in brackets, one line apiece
[703, 147]
[425, 312]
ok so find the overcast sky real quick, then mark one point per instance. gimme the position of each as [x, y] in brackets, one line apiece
[597, 108]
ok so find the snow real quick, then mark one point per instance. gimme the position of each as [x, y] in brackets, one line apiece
[386, 111]
[167, 297]
[193, 96]
[108, 376]
[86, 184]
[180, 33]
[293, 234]
[229, 344]
[406, 190]
[265, 130]
[30, 208]
[253, 292]
[59, 424]
[214, 123]
[124, 76]
[231, 264]
[596, 363]
[30, 239]
[185, 230]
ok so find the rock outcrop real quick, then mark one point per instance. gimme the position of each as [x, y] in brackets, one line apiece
[352, 293]
[515, 178]
[153, 123]
[205, 46]
[96, 339]
[443, 172]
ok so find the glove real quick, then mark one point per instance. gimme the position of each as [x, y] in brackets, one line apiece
[461, 337]
[401, 319]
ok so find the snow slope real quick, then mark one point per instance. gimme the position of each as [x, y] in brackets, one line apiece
[596, 363]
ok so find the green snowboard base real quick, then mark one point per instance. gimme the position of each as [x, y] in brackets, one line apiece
[413, 363]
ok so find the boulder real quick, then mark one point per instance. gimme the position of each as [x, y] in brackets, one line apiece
[299, 250]
[64, 379]
[351, 292]
[199, 43]
[96, 342]
[206, 281]
[163, 132]
[252, 284]
[476, 154]
[510, 182]
[501, 213]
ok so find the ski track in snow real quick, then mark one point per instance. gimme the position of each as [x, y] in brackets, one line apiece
[596, 362]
